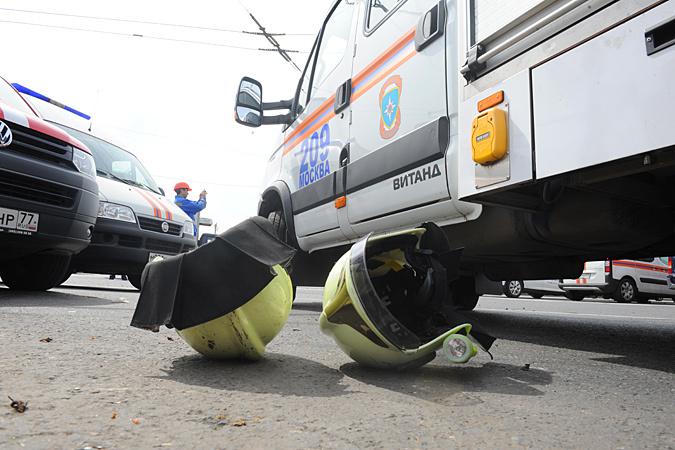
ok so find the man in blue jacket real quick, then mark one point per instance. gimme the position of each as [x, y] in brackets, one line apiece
[190, 207]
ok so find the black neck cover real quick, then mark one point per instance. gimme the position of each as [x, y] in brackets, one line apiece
[213, 280]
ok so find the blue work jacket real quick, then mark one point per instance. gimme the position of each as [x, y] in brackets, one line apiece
[190, 207]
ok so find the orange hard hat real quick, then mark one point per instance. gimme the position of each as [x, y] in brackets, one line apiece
[182, 185]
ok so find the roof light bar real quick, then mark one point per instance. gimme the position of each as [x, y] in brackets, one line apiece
[32, 93]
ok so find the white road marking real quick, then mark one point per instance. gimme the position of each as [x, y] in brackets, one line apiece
[554, 313]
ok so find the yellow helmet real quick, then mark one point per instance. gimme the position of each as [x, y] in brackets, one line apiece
[226, 299]
[385, 302]
[246, 331]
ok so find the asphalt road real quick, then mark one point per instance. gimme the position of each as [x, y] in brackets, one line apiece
[600, 376]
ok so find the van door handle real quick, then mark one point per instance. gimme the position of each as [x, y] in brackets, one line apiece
[344, 155]
[430, 26]
[343, 96]
[660, 36]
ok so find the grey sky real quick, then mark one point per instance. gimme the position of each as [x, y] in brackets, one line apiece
[169, 102]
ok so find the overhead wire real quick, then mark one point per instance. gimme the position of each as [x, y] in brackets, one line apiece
[270, 38]
[146, 22]
[138, 35]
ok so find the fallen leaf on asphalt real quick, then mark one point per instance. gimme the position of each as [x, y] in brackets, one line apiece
[169, 338]
[526, 367]
[166, 444]
[239, 423]
[19, 405]
[136, 421]
[114, 415]
[47, 339]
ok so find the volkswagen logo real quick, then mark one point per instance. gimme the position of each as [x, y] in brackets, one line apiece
[165, 227]
[5, 135]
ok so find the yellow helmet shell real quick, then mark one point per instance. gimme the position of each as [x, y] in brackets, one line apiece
[346, 320]
[244, 332]
[347, 323]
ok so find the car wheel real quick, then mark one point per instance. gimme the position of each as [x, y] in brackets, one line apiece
[576, 296]
[464, 295]
[135, 280]
[513, 288]
[35, 272]
[626, 292]
[65, 277]
[279, 223]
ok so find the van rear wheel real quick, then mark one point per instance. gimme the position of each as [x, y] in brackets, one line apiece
[576, 296]
[626, 292]
[513, 288]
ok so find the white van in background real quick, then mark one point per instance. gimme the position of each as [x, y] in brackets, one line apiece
[624, 280]
[136, 222]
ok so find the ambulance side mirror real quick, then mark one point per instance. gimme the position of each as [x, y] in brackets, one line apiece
[248, 108]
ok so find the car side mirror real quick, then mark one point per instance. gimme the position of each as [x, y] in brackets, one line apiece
[248, 108]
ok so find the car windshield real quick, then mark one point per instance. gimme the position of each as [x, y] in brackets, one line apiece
[115, 162]
[9, 96]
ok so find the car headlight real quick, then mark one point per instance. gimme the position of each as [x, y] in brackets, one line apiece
[84, 162]
[116, 212]
[189, 228]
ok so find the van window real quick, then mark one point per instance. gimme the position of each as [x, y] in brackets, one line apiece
[378, 10]
[334, 42]
[303, 86]
[9, 96]
[114, 162]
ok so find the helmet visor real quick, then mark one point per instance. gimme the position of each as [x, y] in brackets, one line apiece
[373, 306]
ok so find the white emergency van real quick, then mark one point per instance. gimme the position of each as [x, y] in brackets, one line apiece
[536, 133]
[136, 222]
[624, 280]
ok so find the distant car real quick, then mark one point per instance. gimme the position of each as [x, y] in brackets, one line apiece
[136, 222]
[533, 288]
[624, 280]
[48, 196]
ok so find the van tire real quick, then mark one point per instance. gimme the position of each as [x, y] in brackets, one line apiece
[279, 224]
[135, 280]
[626, 291]
[35, 272]
[513, 288]
[464, 295]
[65, 277]
[574, 296]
